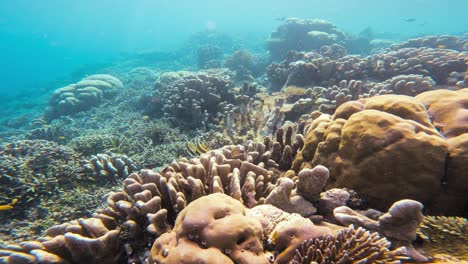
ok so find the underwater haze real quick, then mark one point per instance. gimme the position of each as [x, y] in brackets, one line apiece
[41, 41]
[233, 131]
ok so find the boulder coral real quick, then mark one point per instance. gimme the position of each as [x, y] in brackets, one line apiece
[395, 147]
[212, 229]
[82, 95]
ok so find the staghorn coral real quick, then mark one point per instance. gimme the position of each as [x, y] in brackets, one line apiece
[350, 245]
[448, 235]
[377, 145]
[82, 95]
[30, 170]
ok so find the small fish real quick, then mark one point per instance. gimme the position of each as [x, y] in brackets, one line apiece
[146, 118]
[441, 47]
[5, 207]
[61, 137]
[8, 206]
[94, 118]
[409, 20]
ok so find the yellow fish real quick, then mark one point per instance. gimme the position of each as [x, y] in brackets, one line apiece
[6, 207]
[441, 47]
[61, 138]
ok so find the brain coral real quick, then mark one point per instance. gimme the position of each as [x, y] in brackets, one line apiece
[394, 147]
[82, 95]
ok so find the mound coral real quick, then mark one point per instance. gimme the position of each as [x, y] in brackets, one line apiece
[212, 229]
[82, 95]
[377, 145]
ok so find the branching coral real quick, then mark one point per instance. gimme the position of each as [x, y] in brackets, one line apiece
[351, 245]
[31, 169]
[441, 234]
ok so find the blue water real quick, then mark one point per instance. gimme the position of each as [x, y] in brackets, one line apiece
[41, 41]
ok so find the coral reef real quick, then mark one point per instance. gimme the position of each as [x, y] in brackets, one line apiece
[332, 97]
[31, 169]
[458, 43]
[303, 35]
[209, 56]
[281, 159]
[410, 140]
[82, 95]
[411, 84]
[193, 99]
[351, 245]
